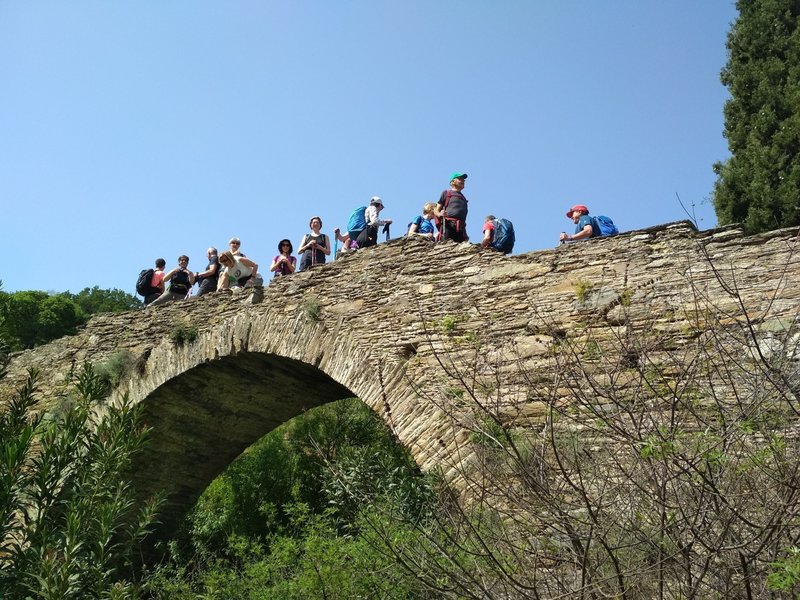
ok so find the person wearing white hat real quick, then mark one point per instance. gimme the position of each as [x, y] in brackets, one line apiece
[369, 237]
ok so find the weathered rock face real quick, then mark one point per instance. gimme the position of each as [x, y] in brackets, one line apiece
[401, 326]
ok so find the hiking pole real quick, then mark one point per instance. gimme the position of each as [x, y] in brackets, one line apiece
[386, 231]
[335, 247]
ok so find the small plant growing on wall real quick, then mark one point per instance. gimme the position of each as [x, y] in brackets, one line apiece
[115, 368]
[181, 334]
[582, 289]
[312, 310]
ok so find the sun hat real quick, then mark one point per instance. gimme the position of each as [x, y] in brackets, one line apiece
[578, 207]
[376, 200]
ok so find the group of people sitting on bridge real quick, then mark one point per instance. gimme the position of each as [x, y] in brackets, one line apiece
[442, 220]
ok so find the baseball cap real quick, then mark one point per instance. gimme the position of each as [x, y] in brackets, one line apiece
[458, 176]
[579, 208]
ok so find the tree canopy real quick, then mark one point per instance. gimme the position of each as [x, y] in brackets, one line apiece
[759, 185]
[29, 318]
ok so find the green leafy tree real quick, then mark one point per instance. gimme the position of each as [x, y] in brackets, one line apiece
[759, 185]
[95, 300]
[69, 526]
[30, 318]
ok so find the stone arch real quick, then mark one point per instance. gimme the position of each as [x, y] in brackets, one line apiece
[208, 400]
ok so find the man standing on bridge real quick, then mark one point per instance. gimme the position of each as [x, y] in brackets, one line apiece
[451, 211]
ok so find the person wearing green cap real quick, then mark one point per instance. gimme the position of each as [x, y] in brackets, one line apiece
[451, 211]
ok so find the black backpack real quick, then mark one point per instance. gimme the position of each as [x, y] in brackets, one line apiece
[143, 287]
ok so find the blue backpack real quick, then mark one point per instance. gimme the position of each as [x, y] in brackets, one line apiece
[357, 222]
[503, 236]
[605, 225]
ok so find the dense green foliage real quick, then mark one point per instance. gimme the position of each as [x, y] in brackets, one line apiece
[69, 526]
[287, 519]
[759, 185]
[95, 300]
[30, 318]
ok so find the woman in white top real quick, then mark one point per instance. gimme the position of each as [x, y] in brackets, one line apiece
[238, 271]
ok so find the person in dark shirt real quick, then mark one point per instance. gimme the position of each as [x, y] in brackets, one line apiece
[208, 279]
[180, 279]
[451, 211]
[314, 246]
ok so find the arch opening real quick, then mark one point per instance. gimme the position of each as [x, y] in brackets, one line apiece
[207, 416]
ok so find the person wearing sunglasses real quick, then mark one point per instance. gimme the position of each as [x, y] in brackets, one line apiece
[180, 279]
[284, 263]
[235, 246]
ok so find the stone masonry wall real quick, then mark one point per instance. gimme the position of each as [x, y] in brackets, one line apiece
[402, 326]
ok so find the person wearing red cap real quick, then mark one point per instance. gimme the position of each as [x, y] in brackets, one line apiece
[585, 226]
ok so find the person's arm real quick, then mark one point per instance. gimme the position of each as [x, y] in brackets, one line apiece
[583, 234]
[487, 237]
[276, 263]
[223, 281]
[327, 247]
[249, 263]
[413, 228]
[371, 216]
[169, 275]
[210, 272]
[191, 277]
[291, 262]
[302, 247]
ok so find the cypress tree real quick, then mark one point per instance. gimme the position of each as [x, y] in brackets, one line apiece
[759, 185]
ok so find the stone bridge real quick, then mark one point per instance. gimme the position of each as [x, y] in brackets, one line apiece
[407, 327]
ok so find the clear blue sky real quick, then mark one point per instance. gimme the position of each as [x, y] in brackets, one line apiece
[133, 130]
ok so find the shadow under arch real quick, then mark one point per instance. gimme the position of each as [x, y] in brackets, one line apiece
[205, 417]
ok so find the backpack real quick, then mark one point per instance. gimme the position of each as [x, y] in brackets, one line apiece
[605, 225]
[503, 236]
[357, 222]
[143, 287]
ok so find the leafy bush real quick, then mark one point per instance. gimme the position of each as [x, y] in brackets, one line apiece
[69, 526]
[116, 368]
[286, 519]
